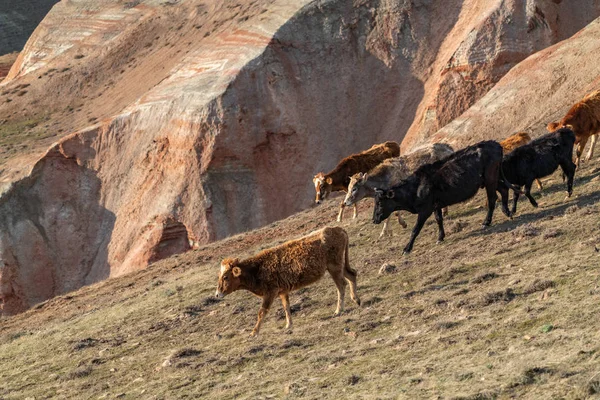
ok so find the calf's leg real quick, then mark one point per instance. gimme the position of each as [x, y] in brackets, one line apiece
[341, 213]
[539, 184]
[579, 150]
[340, 283]
[285, 300]
[350, 276]
[401, 221]
[355, 212]
[504, 196]
[491, 203]
[421, 218]
[440, 221]
[516, 195]
[385, 229]
[528, 194]
[591, 150]
[569, 170]
[264, 308]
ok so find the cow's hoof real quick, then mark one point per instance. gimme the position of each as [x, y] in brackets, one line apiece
[405, 252]
[439, 241]
[337, 313]
[253, 334]
[484, 226]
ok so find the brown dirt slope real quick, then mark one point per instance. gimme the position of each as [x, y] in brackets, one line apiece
[507, 312]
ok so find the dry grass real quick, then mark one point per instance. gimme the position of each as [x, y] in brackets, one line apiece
[489, 314]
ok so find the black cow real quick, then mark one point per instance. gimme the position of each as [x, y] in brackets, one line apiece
[540, 158]
[443, 183]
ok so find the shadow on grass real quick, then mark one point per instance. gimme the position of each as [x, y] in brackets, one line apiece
[556, 211]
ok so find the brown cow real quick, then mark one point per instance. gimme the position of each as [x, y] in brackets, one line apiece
[339, 178]
[291, 266]
[517, 140]
[583, 119]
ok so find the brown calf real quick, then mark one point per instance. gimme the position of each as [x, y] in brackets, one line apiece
[517, 140]
[339, 178]
[583, 119]
[291, 266]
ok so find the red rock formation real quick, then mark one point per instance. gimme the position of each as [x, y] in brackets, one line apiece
[487, 41]
[538, 90]
[207, 119]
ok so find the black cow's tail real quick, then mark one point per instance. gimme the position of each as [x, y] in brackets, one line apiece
[507, 183]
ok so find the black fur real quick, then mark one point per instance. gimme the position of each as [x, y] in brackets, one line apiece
[449, 181]
[540, 158]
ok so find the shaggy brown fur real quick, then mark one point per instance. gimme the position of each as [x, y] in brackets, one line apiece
[291, 266]
[517, 140]
[339, 178]
[514, 141]
[390, 172]
[583, 119]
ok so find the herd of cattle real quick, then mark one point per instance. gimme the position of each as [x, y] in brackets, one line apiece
[424, 182]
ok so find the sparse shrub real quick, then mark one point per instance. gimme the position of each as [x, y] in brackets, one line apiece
[526, 231]
[547, 328]
[593, 387]
[487, 276]
[538, 286]
[552, 233]
[187, 352]
[505, 296]
[456, 226]
[572, 209]
[353, 379]
[445, 325]
[80, 372]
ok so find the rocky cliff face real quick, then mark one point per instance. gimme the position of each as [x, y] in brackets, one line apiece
[487, 41]
[171, 124]
[538, 90]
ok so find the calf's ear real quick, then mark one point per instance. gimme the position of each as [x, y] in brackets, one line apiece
[390, 194]
[236, 271]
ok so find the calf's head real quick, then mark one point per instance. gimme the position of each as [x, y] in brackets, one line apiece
[322, 187]
[229, 277]
[356, 189]
[384, 205]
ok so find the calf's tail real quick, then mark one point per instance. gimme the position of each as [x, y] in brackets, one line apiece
[347, 267]
[507, 183]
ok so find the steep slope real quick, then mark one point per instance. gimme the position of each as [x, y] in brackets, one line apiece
[146, 128]
[487, 41]
[537, 91]
[509, 312]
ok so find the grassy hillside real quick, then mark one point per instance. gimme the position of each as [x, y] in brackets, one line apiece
[507, 312]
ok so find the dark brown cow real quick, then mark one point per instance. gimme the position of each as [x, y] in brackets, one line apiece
[339, 178]
[583, 119]
[291, 266]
